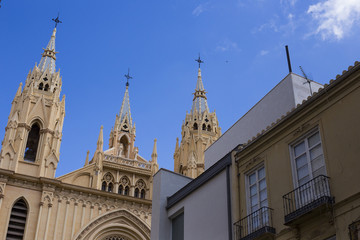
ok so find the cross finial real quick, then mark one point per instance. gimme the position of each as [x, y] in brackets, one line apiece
[199, 60]
[127, 76]
[56, 20]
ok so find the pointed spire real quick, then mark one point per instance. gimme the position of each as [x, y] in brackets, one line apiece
[125, 109]
[18, 92]
[48, 57]
[100, 141]
[177, 145]
[87, 158]
[154, 153]
[200, 100]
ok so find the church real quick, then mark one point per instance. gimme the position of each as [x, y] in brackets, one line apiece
[109, 198]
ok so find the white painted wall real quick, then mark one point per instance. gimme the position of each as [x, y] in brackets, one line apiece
[165, 184]
[292, 90]
[205, 210]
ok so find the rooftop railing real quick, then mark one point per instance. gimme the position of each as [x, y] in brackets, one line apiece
[307, 197]
[254, 225]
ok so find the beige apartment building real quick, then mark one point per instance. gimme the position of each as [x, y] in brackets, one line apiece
[299, 177]
[107, 199]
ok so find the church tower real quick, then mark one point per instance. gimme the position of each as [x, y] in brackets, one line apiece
[31, 144]
[199, 130]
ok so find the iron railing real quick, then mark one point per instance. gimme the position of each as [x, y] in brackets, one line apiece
[254, 225]
[307, 197]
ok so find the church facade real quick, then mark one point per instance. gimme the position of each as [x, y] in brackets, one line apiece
[199, 130]
[108, 199]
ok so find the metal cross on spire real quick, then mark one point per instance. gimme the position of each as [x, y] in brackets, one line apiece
[127, 76]
[56, 20]
[199, 60]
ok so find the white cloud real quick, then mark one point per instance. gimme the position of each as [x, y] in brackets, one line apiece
[200, 9]
[264, 52]
[227, 45]
[334, 18]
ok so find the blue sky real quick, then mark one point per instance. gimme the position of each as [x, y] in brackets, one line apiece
[241, 41]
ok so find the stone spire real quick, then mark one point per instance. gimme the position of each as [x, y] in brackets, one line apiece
[125, 120]
[199, 128]
[154, 153]
[48, 57]
[200, 100]
[100, 141]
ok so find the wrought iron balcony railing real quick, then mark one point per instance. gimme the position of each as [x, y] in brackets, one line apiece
[307, 197]
[254, 225]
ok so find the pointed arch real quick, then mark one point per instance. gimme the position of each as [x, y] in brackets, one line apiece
[17, 221]
[107, 182]
[124, 141]
[124, 185]
[120, 222]
[140, 187]
[203, 127]
[195, 126]
[32, 143]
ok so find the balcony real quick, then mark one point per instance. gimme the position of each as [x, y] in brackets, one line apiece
[255, 226]
[311, 196]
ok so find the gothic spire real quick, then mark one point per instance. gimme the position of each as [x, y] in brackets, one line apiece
[200, 100]
[125, 114]
[154, 153]
[48, 57]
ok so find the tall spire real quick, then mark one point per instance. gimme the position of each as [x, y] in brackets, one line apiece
[200, 100]
[48, 57]
[100, 141]
[154, 153]
[125, 114]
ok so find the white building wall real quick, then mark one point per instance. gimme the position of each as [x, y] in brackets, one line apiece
[205, 210]
[292, 90]
[166, 183]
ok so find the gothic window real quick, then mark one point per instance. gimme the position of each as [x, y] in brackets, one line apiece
[41, 86]
[32, 143]
[17, 220]
[140, 189]
[126, 191]
[136, 192]
[195, 126]
[107, 184]
[142, 194]
[209, 128]
[46, 88]
[204, 127]
[124, 186]
[110, 187]
[103, 186]
[124, 141]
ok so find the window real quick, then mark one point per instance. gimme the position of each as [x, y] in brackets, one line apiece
[257, 200]
[308, 158]
[257, 195]
[136, 192]
[32, 143]
[107, 184]
[124, 188]
[17, 220]
[177, 227]
[195, 126]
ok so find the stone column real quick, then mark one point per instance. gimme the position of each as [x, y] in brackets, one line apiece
[47, 220]
[57, 218]
[65, 221]
[91, 212]
[38, 221]
[82, 214]
[74, 220]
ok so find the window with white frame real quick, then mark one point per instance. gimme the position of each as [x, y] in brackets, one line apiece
[308, 158]
[257, 195]
[257, 201]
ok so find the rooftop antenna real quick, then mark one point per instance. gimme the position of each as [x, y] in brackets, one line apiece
[56, 20]
[307, 79]
[199, 60]
[288, 58]
[127, 76]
